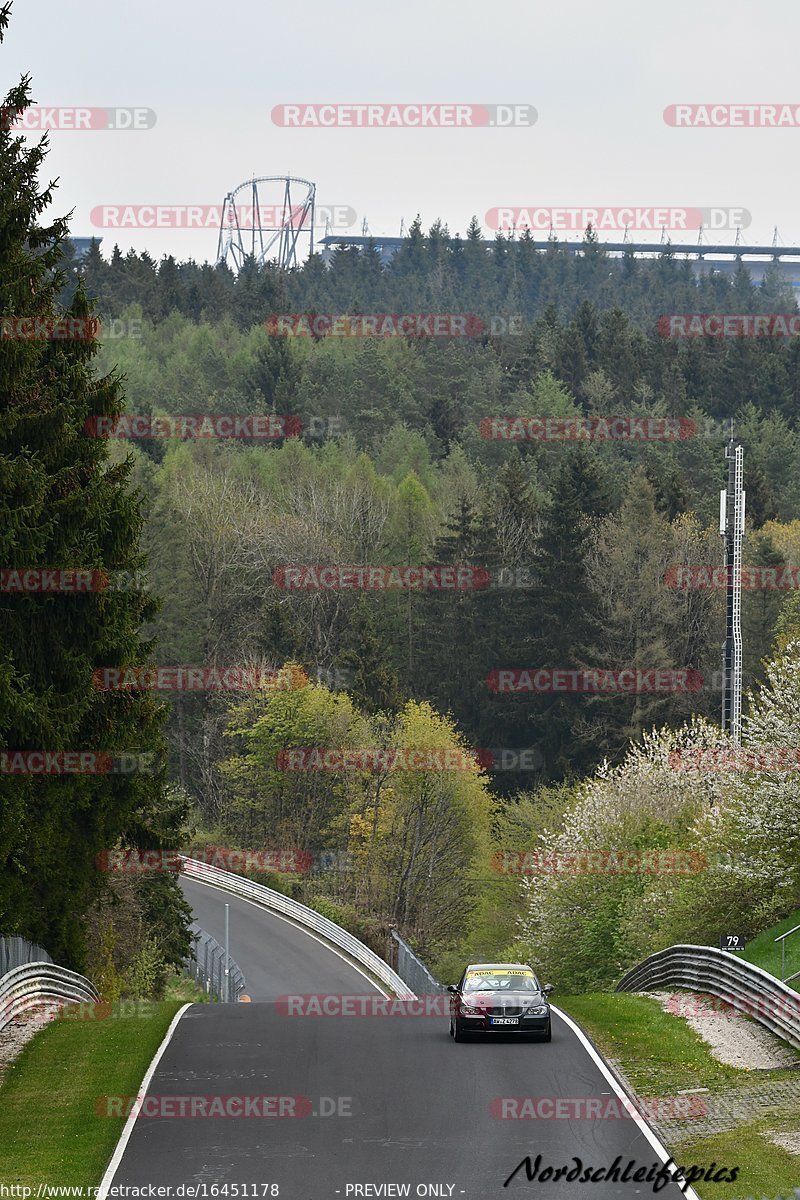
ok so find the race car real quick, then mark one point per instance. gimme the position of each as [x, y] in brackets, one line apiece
[499, 998]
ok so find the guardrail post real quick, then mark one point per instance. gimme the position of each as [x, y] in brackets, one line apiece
[782, 939]
[227, 995]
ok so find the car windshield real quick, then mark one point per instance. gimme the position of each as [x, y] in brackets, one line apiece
[501, 981]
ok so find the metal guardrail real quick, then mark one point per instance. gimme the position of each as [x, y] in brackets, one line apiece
[412, 970]
[782, 939]
[35, 984]
[747, 988]
[206, 965]
[302, 915]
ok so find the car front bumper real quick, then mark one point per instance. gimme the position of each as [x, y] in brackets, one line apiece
[496, 1024]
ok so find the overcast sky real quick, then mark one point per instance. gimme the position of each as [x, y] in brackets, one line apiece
[598, 75]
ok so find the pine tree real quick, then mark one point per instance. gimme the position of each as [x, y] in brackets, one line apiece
[374, 685]
[761, 607]
[527, 364]
[450, 630]
[590, 480]
[567, 625]
[62, 504]
[643, 620]
[273, 377]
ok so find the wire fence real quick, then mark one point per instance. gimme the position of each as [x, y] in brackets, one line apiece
[412, 970]
[206, 965]
[18, 952]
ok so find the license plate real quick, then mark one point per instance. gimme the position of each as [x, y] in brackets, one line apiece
[504, 1020]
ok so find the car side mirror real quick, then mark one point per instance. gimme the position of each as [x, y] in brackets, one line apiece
[451, 987]
[547, 989]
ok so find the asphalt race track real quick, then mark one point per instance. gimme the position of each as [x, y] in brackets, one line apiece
[376, 1100]
[276, 957]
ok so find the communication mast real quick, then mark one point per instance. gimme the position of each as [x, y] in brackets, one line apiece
[731, 527]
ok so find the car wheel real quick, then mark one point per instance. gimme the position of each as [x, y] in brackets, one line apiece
[548, 1036]
[450, 1030]
[458, 1032]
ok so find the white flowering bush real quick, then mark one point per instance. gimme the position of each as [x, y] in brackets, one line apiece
[676, 790]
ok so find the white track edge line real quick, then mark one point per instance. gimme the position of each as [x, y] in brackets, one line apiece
[295, 925]
[119, 1149]
[649, 1133]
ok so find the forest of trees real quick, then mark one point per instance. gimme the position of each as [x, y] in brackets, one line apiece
[391, 467]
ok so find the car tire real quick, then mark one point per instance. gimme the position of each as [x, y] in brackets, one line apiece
[458, 1032]
[548, 1036]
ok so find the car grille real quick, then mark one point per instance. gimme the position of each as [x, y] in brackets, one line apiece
[504, 1012]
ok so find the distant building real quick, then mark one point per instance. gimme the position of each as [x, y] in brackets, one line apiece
[81, 244]
[704, 258]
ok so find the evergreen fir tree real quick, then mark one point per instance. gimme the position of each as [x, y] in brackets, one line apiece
[567, 626]
[64, 505]
[374, 686]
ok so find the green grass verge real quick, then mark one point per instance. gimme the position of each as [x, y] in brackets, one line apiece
[661, 1055]
[49, 1129]
[765, 952]
[184, 989]
[766, 1170]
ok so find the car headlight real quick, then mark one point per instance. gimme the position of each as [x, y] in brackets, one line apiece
[470, 1009]
[541, 1010]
